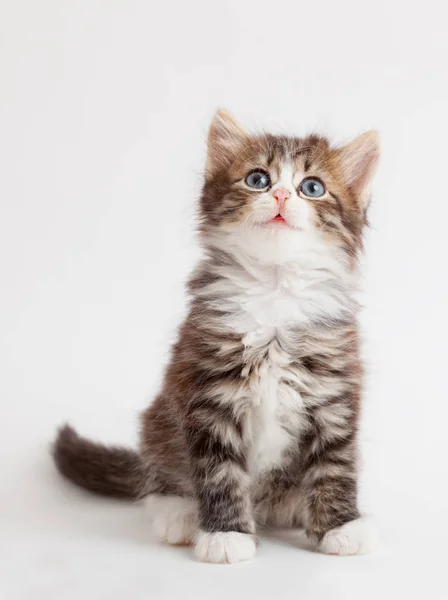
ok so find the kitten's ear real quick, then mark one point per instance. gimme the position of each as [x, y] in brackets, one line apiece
[358, 161]
[226, 138]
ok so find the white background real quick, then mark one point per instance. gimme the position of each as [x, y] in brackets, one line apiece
[104, 108]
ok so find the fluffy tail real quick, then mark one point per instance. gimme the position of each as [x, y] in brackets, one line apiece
[111, 471]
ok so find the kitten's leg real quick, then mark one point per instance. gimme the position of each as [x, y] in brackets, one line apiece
[218, 454]
[290, 508]
[330, 514]
[174, 518]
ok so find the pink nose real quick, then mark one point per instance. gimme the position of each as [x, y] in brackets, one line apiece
[281, 195]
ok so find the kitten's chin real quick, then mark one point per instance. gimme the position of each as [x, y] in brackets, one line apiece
[277, 244]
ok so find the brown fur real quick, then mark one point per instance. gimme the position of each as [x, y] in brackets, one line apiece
[112, 471]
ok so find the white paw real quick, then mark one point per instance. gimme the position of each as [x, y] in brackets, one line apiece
[355, 537]
[175, 521]
[224, 547]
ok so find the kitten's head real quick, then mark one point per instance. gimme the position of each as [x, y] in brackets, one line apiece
[274, 196]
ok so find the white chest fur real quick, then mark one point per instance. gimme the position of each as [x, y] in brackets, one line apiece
[264, 303]
[278, 414]
[278, 301]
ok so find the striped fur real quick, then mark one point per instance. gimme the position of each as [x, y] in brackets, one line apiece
[256, 423]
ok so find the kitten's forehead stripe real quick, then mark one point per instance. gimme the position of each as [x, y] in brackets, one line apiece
[274, 151]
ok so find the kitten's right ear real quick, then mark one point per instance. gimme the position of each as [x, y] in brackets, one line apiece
[358, 161]
[226, 138]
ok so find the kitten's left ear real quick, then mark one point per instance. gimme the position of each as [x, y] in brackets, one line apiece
[226, 138]
[358, 161]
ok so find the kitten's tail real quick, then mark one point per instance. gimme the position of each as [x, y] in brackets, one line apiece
[111, 471]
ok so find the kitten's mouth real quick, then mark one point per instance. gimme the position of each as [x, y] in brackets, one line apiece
[279, 219]
[278, 222]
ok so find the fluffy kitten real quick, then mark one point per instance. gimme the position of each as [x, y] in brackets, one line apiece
[256, 423]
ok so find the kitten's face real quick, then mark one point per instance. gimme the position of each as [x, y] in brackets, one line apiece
[276, 194]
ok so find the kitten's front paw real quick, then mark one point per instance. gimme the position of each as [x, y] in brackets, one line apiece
[355, 537]
[224, 547]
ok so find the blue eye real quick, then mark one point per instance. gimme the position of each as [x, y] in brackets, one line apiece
[258, 180]
[312, 188]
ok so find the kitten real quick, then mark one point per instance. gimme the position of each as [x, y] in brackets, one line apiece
[256, 423]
